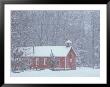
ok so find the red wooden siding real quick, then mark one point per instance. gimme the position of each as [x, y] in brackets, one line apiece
[43, 62]
[62, 62]
[71, 60]
[33, 63]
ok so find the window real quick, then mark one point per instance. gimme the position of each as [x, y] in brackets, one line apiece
[36, 61]
[71, 60]
[44, 61]
[58, 62]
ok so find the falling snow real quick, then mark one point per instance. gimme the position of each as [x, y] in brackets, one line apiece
[53, 28]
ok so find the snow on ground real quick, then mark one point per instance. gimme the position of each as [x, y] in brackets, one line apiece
[79, 72]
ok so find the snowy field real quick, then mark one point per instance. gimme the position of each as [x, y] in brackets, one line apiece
[79, 72]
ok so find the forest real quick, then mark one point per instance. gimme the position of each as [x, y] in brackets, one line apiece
[54, 27]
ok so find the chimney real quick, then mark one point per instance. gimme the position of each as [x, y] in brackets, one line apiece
[68, 43]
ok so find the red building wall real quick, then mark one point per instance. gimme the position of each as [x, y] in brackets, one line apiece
[62, 62]
[71, 60]
[39, 63]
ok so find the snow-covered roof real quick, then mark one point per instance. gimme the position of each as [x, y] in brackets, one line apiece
[45, 51]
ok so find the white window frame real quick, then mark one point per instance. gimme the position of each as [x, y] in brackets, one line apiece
[71, 60]
[45, 61]
[37, 61]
